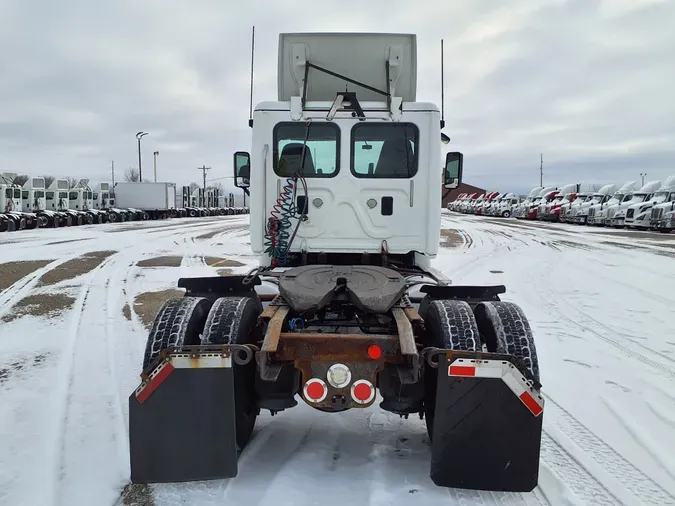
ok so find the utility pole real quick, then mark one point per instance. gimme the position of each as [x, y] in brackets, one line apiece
[541, 171]
[112, 168]
[643, 177]
[204, 170]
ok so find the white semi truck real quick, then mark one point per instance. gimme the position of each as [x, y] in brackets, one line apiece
[344, 309]
[524, 206]
[638, 215]
[580, 214]
[597, 212]
[12, 216]
[616, 216]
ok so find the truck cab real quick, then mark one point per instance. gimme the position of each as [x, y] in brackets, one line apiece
[369, 158]
[580, 215]
[598, 211]
[617, 216]
[33, 195]
[638, 215]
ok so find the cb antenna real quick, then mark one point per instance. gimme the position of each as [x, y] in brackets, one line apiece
[250, 107]
[442, 89]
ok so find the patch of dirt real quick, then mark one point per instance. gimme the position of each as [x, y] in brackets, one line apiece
[137, 495]
[451, 238]
[148, 304]
[165, 261]
[126, 311]
[221, 262]
[75, 267]
[12, 368]
[224, 272]
[14, 271]
[42, 304]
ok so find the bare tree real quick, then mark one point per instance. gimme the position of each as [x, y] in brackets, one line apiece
[132, 175]
[193, 187]
[217, 186]
[49, 180]
[72, 182]
[20, 180]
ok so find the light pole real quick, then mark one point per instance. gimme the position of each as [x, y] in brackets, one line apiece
[139, 136]
[155, 160]
[643, 177]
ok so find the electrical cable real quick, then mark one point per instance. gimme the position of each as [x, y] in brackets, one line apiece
[278, 239]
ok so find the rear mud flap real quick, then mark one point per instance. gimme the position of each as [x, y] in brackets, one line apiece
[184, 430]
[487, 428]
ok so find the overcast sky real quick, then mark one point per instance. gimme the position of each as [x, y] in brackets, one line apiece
[587, 82]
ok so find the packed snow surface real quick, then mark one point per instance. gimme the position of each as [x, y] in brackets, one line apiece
[600, 305]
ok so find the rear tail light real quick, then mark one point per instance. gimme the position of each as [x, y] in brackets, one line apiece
[363, 391]
[315, 390]
[374, 352]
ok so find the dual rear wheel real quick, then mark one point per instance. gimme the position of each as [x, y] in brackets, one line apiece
[497, 327]
[185, 321]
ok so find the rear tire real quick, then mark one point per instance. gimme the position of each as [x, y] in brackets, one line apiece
[179, 322]
[233, 320]
[505, 329]
[450, 325]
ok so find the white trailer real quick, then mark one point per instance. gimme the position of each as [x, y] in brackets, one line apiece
[155, 200]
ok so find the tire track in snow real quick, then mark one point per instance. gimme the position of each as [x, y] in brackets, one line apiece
[642, 487]
[597, 323]
[90, 445]
[663, 369]
[574, 474]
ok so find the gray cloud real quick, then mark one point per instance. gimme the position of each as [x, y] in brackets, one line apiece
[586, 82]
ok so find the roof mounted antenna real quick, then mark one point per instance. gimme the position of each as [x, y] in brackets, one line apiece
[442, 88]
[250, 107]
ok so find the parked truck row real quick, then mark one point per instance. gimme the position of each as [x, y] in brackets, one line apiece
[34, 205]
[650, 206]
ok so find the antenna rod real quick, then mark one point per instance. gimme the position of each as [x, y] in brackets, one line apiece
[442, 88]
[250, 107]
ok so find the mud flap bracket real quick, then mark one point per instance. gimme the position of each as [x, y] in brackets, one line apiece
[487, 426]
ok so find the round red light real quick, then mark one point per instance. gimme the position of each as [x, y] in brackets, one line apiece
[315, 390]
[362, 392]
[374, 352]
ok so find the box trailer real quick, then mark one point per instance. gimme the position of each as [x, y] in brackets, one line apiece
[155, 200]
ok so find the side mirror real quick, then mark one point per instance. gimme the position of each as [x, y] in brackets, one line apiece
[452, 175]
[242, 170]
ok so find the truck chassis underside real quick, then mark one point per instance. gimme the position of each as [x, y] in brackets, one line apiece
[461, 358]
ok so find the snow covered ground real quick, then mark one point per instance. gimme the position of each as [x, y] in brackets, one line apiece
[600, 304]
